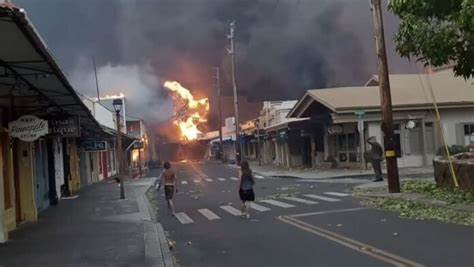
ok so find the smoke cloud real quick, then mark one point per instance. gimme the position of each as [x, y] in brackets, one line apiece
[284, 47]
[139, 84]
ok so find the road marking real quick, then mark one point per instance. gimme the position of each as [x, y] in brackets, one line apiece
[277, 203]
[259, 177]
[326, 212]
[208, 179]
[328, 199]
[257, 207]
[300, 200]
[221, 179]
[184, 182]
[351, 243]
[231, 210]
[209, 214]
[183, 218]
[234, 178]
[336, 194]
[197, 181]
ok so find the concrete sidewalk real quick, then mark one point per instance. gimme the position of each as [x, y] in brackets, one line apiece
[275, 171]
[95, 229]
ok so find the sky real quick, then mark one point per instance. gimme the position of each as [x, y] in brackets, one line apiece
[283, 47]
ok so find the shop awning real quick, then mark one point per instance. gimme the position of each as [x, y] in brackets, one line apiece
[30, 79]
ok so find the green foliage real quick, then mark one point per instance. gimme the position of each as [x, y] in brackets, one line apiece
[453, 150]
[437, 32]
[450, 195]
[417, 211]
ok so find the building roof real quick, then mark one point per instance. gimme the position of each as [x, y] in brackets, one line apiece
[409, 91]
[33, 73]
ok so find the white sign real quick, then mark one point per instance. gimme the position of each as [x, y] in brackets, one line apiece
[28, 128]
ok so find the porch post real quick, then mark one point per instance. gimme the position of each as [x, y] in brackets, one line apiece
[423, 142]
[360, 124]
[326, 143]
[313, 151]
[287, 154]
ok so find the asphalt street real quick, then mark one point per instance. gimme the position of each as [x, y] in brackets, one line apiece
[298, 223]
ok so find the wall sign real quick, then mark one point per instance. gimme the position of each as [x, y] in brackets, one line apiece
[94, 145]
[28, 128]
[66, 127]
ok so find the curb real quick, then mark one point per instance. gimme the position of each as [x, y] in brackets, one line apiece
[157, 252]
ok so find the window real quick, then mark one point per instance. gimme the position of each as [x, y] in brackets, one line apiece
[414, 140]
[469, 134]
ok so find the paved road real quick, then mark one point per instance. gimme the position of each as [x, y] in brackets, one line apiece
[298, 223]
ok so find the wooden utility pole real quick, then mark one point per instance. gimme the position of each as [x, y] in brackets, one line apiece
[231, 51]
[219, 106]
[385, 99]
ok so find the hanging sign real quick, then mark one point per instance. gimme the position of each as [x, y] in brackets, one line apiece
[65, 127]
[28, 128]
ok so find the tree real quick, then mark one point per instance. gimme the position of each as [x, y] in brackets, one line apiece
[437, 32]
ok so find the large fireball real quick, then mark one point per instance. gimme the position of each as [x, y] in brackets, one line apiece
[189, 113]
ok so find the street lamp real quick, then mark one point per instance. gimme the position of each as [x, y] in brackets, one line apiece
[117, 103]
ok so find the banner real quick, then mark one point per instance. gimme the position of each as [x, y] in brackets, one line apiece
[28, 128]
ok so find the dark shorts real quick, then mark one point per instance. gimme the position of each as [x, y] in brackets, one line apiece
[169, 191]
[247, 195]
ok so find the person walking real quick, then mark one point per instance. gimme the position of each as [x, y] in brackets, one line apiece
[168, 178]
[246, 192]
[376, 156]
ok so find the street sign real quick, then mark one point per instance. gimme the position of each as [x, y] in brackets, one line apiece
[360, 113]
[28, 128]
[94, 145]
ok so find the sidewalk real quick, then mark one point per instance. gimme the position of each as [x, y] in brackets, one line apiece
[275, 171]
[95, 229]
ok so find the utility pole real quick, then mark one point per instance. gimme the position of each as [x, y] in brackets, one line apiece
[219, 106]
[231, 52]
[96, 80]
[385, 99]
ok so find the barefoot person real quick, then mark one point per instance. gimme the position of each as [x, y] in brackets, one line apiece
[168, 178]
[246, 192]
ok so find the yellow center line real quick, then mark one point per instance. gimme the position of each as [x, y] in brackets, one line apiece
[351, 243]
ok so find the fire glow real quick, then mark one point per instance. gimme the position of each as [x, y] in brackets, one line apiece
[189, 112]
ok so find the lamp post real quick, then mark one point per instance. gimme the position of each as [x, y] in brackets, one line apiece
[117, 103]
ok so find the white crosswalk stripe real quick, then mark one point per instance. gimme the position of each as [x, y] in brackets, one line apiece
[197, 181]
[277, 203]
[209, 214]
[234, 178]
[336, 194]
[184, 182]
[301, 200]
[183, 218]
[209, 180]
[259, 177]
[328, 199]
[231, 210]
[221, 179]
[257, 207]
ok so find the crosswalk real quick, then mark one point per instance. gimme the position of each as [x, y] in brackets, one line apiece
[201, 179]
[263, 205]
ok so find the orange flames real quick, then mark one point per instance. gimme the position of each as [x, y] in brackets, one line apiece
[189, 112]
